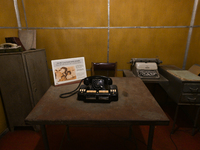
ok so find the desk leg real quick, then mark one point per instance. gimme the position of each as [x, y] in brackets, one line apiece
[175, 117]
[44, 136]
[195, 122]
[150, 139]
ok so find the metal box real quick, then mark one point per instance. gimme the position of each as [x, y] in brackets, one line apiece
[24, 78]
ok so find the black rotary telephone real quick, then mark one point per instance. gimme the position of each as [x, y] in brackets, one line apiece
[95, 89]
[98, 89]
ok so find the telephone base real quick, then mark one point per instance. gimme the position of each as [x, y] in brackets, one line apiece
[107, 95]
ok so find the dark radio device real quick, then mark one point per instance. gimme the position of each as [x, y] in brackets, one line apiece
[98, 89]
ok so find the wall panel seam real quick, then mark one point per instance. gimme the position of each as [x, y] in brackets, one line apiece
[125, 27]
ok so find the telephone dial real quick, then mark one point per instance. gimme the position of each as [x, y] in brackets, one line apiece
[98, 89]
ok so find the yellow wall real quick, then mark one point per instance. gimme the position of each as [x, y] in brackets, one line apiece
[59, 29]
[194, 50]
[168, 44]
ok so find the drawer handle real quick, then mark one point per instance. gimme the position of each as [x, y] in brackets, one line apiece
[194, 90]
[192, 98]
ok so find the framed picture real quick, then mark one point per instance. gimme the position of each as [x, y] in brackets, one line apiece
[68, 70]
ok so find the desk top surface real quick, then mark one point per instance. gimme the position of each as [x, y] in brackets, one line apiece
[185, 75]
[172, 72]
[136, 105]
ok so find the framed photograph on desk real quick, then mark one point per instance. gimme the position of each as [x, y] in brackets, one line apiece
[68, 70]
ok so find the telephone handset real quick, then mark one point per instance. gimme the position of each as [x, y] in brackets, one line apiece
[8, 45]
[98, 89]
[98, 82]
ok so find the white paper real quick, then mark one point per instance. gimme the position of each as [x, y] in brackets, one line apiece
[68, 70]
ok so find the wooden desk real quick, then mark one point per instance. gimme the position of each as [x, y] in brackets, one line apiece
[136, 106]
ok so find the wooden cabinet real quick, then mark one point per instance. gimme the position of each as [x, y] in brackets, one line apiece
[24, 79]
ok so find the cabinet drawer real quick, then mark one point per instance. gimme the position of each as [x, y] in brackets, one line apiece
[190, 98]
[191, 87]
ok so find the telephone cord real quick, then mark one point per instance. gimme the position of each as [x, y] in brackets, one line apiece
[71, 92]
